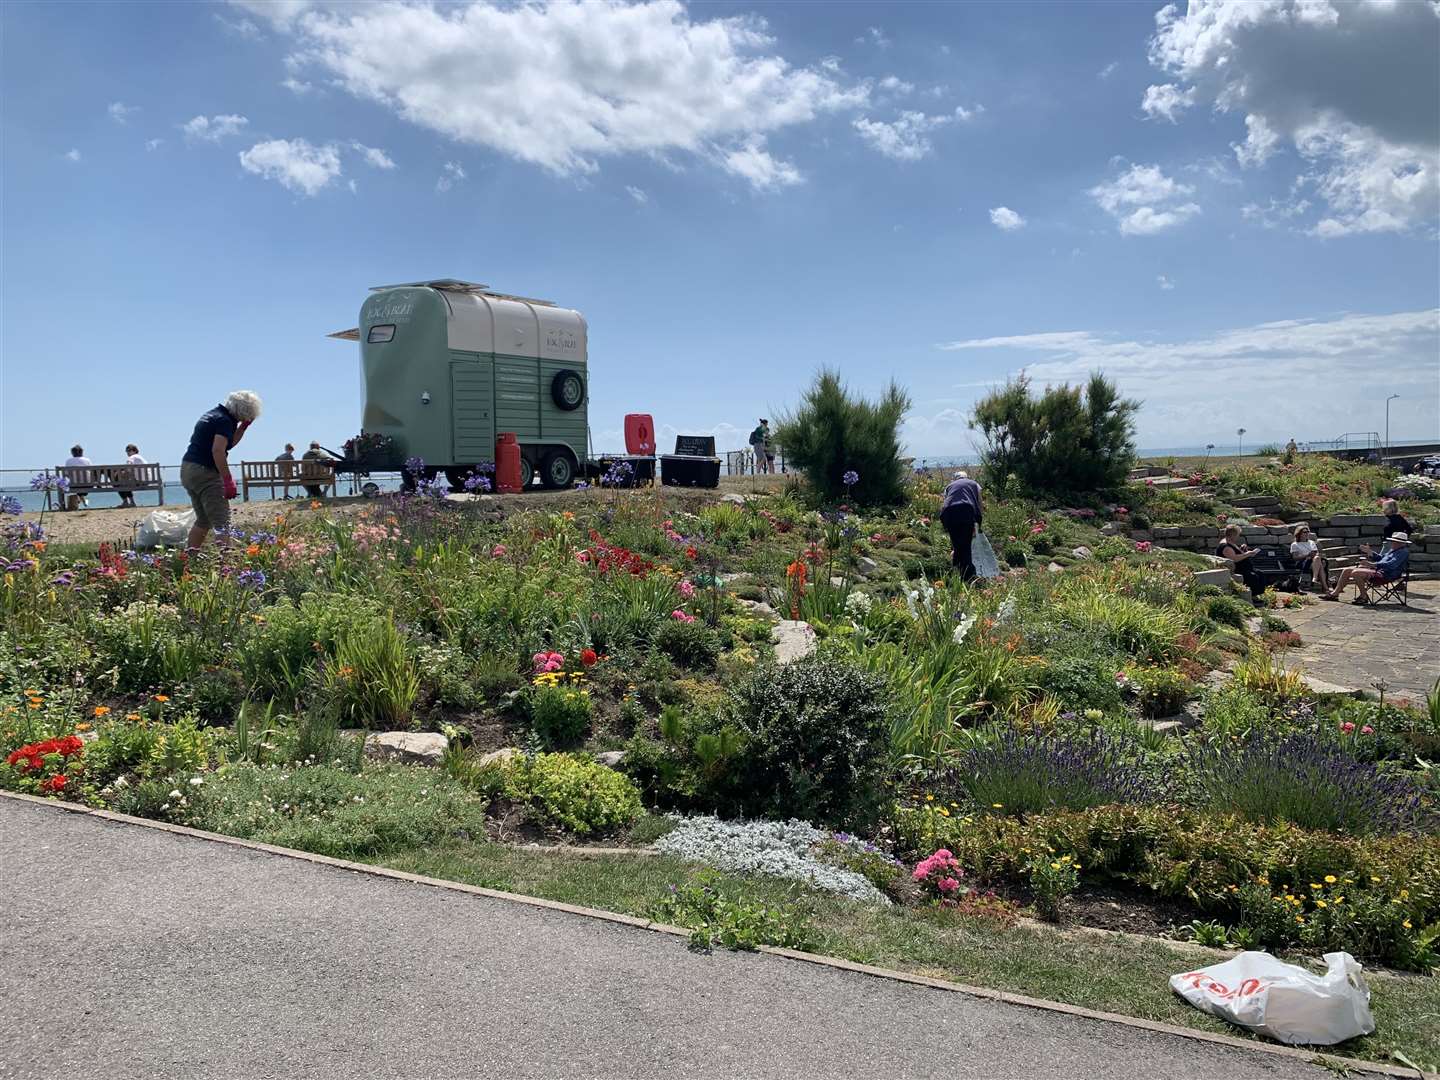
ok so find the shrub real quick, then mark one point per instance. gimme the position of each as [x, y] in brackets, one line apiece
[331, 810]
[939, 875]
[815, 742]
[279, 653]
[690, 644]
[1312, 783]
[573, 792]
[1023, 773]
[560, 711]
[1139, 629]
[717, 915]
[1232, 710]
[1067, 441]
[1229, 610]
[1158, 691]
[1052, 881]
[146, 645]
[831, 435]
[371, 681]
[1080, 683]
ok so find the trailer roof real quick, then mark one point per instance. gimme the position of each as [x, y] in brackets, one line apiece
[455, 285]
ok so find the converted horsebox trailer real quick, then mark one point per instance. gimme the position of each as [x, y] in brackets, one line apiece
[449, 365]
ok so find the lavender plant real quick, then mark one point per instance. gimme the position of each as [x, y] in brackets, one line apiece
[1310, 782]
[1024, 772]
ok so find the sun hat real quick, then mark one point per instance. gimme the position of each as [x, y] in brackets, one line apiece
[1399, 538]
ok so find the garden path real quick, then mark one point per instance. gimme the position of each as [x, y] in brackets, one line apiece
[1356, 646]
[165, 955]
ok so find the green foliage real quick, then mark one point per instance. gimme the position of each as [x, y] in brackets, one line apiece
[281, 651]
[1211, 934]
[332, 810]
[371, 680]
[1079, 682]
[690, 644]
[560, 713]
[1068, 441]
[1229, 610]
[814, 744]
[1131, 625]
[146, 645]
[717, 915]
[573, 792]
[1159, 691]
[832, 433]
[1052, 881]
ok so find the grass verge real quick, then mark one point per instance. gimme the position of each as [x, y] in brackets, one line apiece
[1110, 973]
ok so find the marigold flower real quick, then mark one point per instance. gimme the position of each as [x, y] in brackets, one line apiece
[162, 697]
[102, 710]
[1329, 879]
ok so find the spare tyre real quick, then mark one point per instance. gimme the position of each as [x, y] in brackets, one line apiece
[568, 390]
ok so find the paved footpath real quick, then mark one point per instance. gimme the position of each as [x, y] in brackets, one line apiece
[1356, 646]
[132, 953]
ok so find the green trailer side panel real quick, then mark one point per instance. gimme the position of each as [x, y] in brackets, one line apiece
[559, 425]
[517, 396]
[472, 401]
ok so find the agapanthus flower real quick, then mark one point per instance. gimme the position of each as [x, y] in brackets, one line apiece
[9, 504]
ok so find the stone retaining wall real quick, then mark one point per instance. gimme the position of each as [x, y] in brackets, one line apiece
[1350, 529]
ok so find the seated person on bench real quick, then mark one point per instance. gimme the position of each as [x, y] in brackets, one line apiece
[1391, 562]
[1306, 553]
[1240, 555]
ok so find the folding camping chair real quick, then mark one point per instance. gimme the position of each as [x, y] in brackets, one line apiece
[1396, 591]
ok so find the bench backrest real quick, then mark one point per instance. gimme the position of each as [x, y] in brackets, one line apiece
[124, 477]
[287, 472]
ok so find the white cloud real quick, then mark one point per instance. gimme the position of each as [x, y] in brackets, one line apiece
[298, 87]
[354, 187]
[293, 163]
[450, 175]
[962, 113]
[1002, 217]
[1277, 378]
[831, 64]
[1350, 85]
[1109, 69]
[153, 144]
[1145, 201]
[72, 155]
[373, 156]
[241, 28]
[893, 84]
[213, 128]
[1164, 282]
[120, 112]
[638, 194]
[904, 138]
[563, 85]
[751, 161]
[1167, 101]
[873, 35]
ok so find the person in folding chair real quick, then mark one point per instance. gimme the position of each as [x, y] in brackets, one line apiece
[1391, 564]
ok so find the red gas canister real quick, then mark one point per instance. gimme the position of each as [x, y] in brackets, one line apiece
[639, 433]
[507, 464]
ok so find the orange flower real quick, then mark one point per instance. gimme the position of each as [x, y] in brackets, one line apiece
[253, 549]
[314, 504]
[102, 710]
[82, 727]
[39, 545]
[161, 697]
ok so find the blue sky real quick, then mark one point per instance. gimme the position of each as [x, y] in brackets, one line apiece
[1231, 209]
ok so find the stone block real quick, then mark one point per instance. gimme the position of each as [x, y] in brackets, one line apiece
[1345, 521]
[1217, 577]
[1199, 530]
[1375, 521]
[411, 747]
[1171, 532]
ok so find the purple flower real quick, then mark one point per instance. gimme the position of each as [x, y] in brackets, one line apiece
[851, 478]
[415, 466]
[251, 579]
[9, 504]
[46, 482]
[476, 483]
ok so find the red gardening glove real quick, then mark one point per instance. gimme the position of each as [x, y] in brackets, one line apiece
[230, 490]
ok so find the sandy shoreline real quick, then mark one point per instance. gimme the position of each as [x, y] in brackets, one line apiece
[118, 525]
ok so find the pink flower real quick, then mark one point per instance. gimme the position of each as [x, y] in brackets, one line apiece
[687, 590]
[1367, 730]
[947, 884]
[1142, 546]
[547, 661]
[1347, 727]
[497, 551]
[682, 616]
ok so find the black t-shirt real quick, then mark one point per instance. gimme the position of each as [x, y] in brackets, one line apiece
[217, 421]
[1395, 523]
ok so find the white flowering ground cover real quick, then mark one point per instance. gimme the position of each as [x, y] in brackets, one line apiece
[782, 849]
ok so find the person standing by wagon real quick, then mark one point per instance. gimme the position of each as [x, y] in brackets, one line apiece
[961, 513]
[205, 466]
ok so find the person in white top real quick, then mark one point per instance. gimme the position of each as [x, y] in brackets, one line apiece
[1306, 553]
[77, 458]
[132, 457]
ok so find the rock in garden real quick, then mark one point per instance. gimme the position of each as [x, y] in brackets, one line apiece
[733, 497]
[611, 759]
[867, 565]
[410, 747]
[1219, 577]
[466, 497]
[1082, 552]
[1055, 568]
[499, 757]
[1320, 686]
[794, 639]
[1111, 528]
[758, 607]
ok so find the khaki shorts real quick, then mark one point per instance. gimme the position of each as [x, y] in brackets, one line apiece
[207, 495]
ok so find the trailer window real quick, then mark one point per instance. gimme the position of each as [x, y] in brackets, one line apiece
[383, 332]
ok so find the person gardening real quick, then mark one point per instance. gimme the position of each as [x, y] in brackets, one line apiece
[205, 466]
[1390, 564]
[961, 513]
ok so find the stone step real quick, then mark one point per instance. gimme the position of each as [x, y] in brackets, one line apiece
[1141, 472]
[1255, 502]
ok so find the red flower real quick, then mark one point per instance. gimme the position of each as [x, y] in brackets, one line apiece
[55, 783]
[588, 657]
[690, 553]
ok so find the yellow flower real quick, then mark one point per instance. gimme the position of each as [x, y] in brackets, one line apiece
[1374, 880]
[132, 716]
[997, 806]
[1404, 894]
[929, 797]
[1320, 903]
[944, 811]
[1077, 866]
[1406, 924]
[1299, 921]
[1054, 866]
[82, 727]
[1314, 885]
[1339, 899]
[1329, 879]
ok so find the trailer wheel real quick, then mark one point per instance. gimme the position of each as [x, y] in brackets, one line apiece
[568, 390]
[557, 470]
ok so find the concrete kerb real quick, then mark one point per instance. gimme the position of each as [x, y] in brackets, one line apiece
[1308, 1056]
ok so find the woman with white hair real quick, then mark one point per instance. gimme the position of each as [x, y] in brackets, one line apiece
[205, 466]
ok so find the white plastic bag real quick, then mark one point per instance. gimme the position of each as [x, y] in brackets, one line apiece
[165, 528]
[1281, 1000]
[983, 556]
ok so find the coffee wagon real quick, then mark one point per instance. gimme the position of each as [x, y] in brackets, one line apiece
[449, 364]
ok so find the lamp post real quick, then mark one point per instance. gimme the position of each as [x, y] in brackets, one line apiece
[1389, 399]
[1240, 449]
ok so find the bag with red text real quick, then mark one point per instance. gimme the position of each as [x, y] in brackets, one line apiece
[1288, 1003]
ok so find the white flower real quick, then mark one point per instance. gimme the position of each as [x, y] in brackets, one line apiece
[174, 795]
[195, 781]
[1007, 610]
[962, 629]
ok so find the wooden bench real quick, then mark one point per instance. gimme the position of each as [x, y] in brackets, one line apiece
[1275, 567]
[306, 472]
[90, 479]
